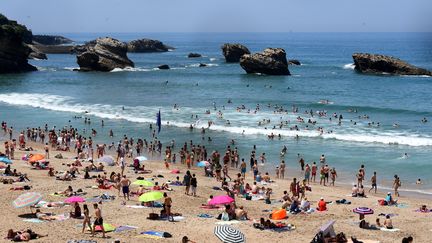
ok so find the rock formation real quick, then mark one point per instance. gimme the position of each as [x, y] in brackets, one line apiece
[13, 48]
[379, 64]
[193, 55]
[233, 52]
[294, 62]
[51, 40]
[105, 55]
[164, 66]
[36, 53]
[271, 61]
[146, 45]
[202, 65]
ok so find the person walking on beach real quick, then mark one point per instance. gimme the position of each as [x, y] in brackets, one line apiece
[333, 175]
[322, 176]
[86, 221]
[187, 181]
[302, 163]
[359, 179]
[98, 221]
[167, 206]
[396, 184]
[243, 168]
[125, 183]
[374, 182]
[307, 173]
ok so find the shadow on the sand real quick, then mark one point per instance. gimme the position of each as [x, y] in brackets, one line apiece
[27, 216]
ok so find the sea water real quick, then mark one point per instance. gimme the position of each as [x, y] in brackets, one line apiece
[128, 100]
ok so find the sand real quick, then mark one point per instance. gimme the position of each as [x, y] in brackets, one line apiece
[412, 223]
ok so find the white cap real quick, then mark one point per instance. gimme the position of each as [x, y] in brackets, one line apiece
[322, 198]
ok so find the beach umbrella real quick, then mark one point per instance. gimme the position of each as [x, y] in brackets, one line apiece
[36, 157]
[150, 196]
[203, 164]
[109, 160]
[223, 199]
[228, 234]
[363, 210]
[141, 158]
[5, 160]
[74, 199]
[27, 199]
[142, 183]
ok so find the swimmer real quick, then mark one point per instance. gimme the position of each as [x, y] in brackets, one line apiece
[419, 182]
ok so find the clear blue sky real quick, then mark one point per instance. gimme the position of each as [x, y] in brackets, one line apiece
[221, 15]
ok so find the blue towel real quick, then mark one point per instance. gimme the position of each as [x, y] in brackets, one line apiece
[204, 215]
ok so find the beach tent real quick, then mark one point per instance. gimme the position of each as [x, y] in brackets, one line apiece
[229, 234]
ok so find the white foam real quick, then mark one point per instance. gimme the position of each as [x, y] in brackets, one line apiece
[43, 69]
[212, 59]
[349, 66]
[70, 68]
[241, 122]
[133, 69]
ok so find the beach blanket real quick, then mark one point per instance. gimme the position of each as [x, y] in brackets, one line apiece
[228, 222]
[136, 206]
[81, 241]
[157, 234]
[427, 211]
[34, 220]
[124, 228]
[390, 230]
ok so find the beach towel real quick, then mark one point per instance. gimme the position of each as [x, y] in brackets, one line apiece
[390, 230]
[124, 228]
[34, 220]
[228, 222]
[427, 211]
[158, 234]
[204, 215]
[136, 206]
[81, 241]
[175, 218]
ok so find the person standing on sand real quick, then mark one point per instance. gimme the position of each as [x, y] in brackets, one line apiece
[374, 182]
[314, 171]
[322, 176]
[194, 184]
[46, 151]
[359, 179]
[86, 221]
[98, 221]
[333, 175]
[396, 184]
[167, 206]
[122, 165]
[282, 169]
[307, 173]
[125, 183]
[243, 168]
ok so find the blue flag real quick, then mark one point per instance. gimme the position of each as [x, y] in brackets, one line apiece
[158, 121]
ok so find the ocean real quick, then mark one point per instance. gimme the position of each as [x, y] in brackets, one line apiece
[128, 100]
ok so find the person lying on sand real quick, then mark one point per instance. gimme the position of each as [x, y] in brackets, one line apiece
[68, 192]
[44, 216]
[24, 235]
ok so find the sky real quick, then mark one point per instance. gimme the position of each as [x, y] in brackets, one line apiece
[72, 16]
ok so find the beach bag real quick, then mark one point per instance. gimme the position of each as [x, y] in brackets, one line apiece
[279, 214]
[248, 197]
[225, 216]
[153, 216]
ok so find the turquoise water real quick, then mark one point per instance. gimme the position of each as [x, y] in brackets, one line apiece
[55, 94]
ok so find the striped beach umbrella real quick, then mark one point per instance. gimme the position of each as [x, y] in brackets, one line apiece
[27, 199]
[228, 234]
[363, 210]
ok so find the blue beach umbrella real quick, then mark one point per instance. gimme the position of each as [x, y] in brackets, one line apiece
[202, 164]
[5, 160]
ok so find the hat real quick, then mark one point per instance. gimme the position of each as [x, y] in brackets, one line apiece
[388, 193]
[321, 198]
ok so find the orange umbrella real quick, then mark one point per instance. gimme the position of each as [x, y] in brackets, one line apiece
[36, 157]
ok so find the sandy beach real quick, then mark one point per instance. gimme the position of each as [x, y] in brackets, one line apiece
[416, 224]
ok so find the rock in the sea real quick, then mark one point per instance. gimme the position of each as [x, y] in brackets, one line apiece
[202, 65]
[105, 55]
[294, 62]
[193, 55]
[51, 40]
[271, 61]
[379, 64]
[36, 53]
[233, 52]
[13, 50]
[164, 66]
[147, 45]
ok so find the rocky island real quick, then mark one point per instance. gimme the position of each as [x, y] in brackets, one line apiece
[381, 64]
[272, 61]
[233, 52]
[105, 55]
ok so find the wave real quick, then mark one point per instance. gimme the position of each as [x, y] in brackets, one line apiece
[133, 69]
[207, 64]
[349, 66]
[180, 118]
[212, 59]
[44, 69]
